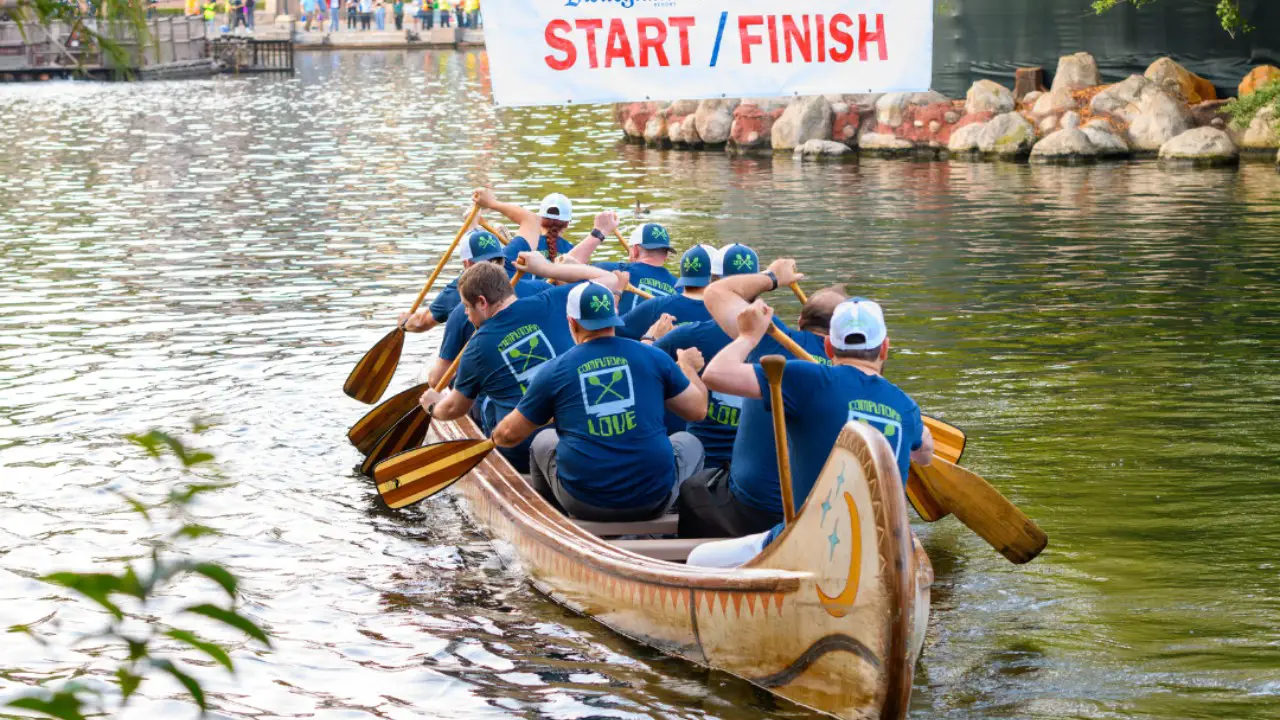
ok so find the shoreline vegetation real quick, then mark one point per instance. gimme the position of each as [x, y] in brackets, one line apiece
[1167, 112]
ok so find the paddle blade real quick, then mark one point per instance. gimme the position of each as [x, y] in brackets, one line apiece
[948, 440]
[416, 475]
[372, 374]
[926, 505]
[984, 510]
[407, 434]
[370, 428]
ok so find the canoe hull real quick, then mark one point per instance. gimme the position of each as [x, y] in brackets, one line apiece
[832, 615]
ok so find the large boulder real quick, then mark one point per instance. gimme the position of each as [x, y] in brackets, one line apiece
[1076, 72]
[884, 142]
[1263, 131]
[988, 96]
[1065, 145]
[1008, 135]
[891, 107]
[753, 122]
[1103, 137]
[1153, 116]
[846, 118]
[1201, 145]
[805, 119]
[683, 130]
[965, 139]
[634, 118]
[821, 148]
[1257, 78]
[1180, 82]
[714, 120]
[1054, 102]
[655, 131]
[683, 107]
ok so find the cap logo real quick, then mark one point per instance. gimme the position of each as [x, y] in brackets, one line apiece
[660, 233]
[600, 303]
[692, 264]
[744, 262]
[486, 241]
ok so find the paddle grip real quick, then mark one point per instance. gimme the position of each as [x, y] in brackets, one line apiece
[471, 217]
[637, 291]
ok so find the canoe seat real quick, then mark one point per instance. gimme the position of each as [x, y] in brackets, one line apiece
[675, 550]
[665, 525]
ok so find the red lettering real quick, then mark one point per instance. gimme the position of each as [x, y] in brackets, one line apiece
[821, 27]
[618, 47]
[841, 37]
[654, 43]
[556, 36]
[682, 24]
[876, 37]
[591, 26]
[745, 22]
[791, 35]
[773, 39]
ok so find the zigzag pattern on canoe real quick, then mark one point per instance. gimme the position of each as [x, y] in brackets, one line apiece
[838, 642]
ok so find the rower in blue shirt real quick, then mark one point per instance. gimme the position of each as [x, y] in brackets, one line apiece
[686, 307]
[718, 430]
[744, 498]
[540, 231]
[609, 458]
[514, 339]
[649, 247]
[818, 400]
[479, 246]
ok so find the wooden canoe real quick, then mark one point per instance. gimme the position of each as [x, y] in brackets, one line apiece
[831, 616]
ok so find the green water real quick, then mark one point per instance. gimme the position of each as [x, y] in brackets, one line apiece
[1107, 336]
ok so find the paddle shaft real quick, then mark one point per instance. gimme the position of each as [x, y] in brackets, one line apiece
[495, 231]
[471, 217]
[795, 288]
[774, 366]
[626, 249]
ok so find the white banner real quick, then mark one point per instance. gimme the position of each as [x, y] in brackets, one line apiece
[552, 52]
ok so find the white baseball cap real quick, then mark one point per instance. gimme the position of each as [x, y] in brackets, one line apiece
[556, 207]
[858, 324]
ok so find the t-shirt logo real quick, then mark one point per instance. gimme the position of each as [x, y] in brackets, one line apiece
[607, 392]
[526, 356]
[724, 409]
[881, 417]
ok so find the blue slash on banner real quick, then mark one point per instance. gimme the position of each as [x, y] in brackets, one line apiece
[715, 53]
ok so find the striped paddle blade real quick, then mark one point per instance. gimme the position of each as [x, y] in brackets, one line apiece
[407, 434]
[948, 440]
[418, 474]
[370, 428]
[372, 374]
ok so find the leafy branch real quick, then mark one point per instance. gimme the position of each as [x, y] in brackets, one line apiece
[1228, 13]
[102, 30]
[1243, 109]
[127, 593]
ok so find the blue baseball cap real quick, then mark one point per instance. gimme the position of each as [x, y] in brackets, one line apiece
[651, 236]
[591, 304]
[695, 266]
[735, 259]
[481, 245]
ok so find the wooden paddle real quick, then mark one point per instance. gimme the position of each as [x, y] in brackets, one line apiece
[1015, 540]
[410, 430]
[496, 230]
[370, 428]
[626, 249]
[416, 475]
[372, 374]
[795, 288]
[984, 510]
[774, 366]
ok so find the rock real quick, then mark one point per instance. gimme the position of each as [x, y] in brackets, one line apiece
[805, 119]
[1065, 144]
[1122, 98]
[753, 122]
[1076, 72]
[1047, 125]
[965, 139]
[951, 117]
[1257, 78]
[1262, 132]
[655, 131]
[891, 107]
[1070, 120]
[1180, 82]
[987, 96]
[1107, 143]
[1209, 112]
[683, 130]
[1153, 115]
[714, 120]
[1027, 80]
[1007, 135]
[1202, 145]
[1030, 98]
[635, 118]
[846, 118]
[683, 107]
[1057, 100]
[822, 148]
[884, 142]
[864, 102]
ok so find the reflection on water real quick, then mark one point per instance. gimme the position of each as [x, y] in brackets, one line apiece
[1106, 335]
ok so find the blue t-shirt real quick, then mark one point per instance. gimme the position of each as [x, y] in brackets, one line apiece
[753, 472]
[519, 245]
[608, 399]
[445, 301]
[720, 427]
[458, 330]
[656, 280]
[684, 309]
[512, 347]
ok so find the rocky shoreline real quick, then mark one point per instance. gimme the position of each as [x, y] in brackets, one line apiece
[1167, 112]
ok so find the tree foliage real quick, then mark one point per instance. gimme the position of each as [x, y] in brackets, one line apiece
[1243, 109]
[101, 28]
[1228, 13]
[127, 594]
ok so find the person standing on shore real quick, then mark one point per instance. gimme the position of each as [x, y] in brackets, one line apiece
[380, 16]
[310, 9]
[366, 13]
[473, 14]
[235, 13]
[457, 9]
[398, 11]
[335, 12]
[249, 6]
[442, 6]
[351, 14]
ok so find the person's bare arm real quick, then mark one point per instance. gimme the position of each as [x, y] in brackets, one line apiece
[450, 406]
[418, 322]
[534, 264]
[606, 223]
[529, 222]
[726, 299]
[438, 369]
[512, 430]
[924, 455]
[691, 404]
[729, 372]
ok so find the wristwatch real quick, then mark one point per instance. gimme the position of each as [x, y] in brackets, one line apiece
[649, 338]
[770, 274]
[595, 233]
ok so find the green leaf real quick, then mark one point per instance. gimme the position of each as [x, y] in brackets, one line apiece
[211, 649]
[195, 531]
[220, 575]
[63, 704]
[137, 506]
[186, 494]
[232, 618]
[137, 649]
[128, 682]
[193, 687]
[98, 587]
